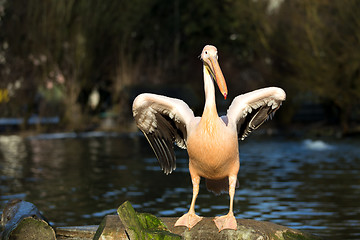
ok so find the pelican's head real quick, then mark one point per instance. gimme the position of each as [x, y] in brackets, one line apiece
[209, 56]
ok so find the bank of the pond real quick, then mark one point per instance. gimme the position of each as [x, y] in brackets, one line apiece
[22, 220]
[113, 228]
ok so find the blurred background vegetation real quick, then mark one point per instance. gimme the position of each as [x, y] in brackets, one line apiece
[85, 60]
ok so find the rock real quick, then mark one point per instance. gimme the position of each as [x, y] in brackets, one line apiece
[143, 225]
[22, 220]
[134, 226]
[111, 228]
[79, 233]
[146, 226]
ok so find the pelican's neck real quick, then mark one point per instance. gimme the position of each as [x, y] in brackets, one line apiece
[210, 104]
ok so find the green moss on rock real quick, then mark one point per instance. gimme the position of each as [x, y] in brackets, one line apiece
[289, 235]
[143, 225]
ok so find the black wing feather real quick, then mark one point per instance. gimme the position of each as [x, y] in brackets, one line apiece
[254, 120]
[163, 121]
[250, 110]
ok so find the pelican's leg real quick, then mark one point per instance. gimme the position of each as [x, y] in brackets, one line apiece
[190, 219]
[228, 221]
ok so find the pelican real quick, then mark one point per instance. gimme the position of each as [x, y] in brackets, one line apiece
[211, 141]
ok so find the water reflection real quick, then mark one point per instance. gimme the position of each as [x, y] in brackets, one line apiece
[13, 151]
[76, 180]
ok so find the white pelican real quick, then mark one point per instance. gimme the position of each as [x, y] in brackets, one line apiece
[211, 141]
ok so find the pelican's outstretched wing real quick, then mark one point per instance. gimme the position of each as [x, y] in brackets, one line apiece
[163, 121]
[248, 111]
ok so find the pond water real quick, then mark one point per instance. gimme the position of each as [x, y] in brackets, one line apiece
[312, 185]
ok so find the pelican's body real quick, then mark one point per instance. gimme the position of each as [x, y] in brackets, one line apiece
[211, 141]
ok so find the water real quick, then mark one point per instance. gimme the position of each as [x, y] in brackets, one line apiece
[312, 185]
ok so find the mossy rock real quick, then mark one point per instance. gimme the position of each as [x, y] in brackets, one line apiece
[289, 235]
[31, 229]
[22, 220]
[143, 225]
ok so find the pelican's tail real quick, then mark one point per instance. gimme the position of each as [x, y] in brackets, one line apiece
[219, 186]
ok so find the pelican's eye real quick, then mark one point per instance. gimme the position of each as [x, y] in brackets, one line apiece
[206, 52]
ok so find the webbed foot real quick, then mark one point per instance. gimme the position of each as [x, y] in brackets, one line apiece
[188, 220]
[226, 222]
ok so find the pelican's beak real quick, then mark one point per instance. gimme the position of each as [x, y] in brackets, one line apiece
[214, 69]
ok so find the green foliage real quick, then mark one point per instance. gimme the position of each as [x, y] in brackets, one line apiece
[307, 47]
[320, 46]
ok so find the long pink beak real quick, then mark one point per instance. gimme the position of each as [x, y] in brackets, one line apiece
[218, 75]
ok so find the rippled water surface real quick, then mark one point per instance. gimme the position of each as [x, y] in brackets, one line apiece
[311, 185]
